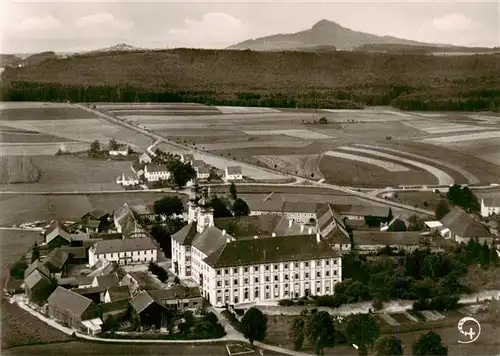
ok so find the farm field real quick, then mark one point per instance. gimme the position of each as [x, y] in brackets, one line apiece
[366, 148]
[20, 208]
[424, 200]
[43, 128]
[71, 173]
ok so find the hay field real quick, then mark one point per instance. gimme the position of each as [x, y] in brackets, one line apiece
[442, 177]
[302, 165]
[18, 169]
[388, 166]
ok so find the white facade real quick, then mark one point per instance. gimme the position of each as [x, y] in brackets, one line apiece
[145, 158]
[124, 257]
[127, 181]
[155, 175]
[232, 176]
[300, 217]
[487, 210]
[119, 152]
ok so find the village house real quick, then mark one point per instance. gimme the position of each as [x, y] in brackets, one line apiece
[187, 158]
[127, 223]
[120, 150]
[56, 262]
[75, 282]
[77, 254]
[359, 212]
[398, 223]
[138, 281]
[178, 297]
[197, 163]
[232, 270]
[373, 241]
[461, 227]
[116, 293]
[202, 172]
[75, 311]
[124, 252]
[151, 312]
[145, 158]
[127, 181]
[145, 212]
[38, 283]
[490, 206]
[155, 173]
[233, 173]
[106, 281]
[94, 221]
[57, 234]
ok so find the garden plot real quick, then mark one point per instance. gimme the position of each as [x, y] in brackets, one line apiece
[443, 177]
[470, 177]
[244, 110]
[464, 137]
[302, 165]
[431, 315]
[433, 127]
[388, 166]
[388, 319]
[304, 134]
[486, 119]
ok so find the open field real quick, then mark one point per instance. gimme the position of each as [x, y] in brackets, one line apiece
[304, 134]
[81, 348]
[388, 166]
[244, 110]
[73, 173]
[425, 200]
[20, 208]
[18, 169]
[302, 165]
[440, 127]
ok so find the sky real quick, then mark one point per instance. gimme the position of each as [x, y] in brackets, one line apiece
[65, 26]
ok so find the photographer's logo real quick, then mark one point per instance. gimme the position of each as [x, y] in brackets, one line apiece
[470, 328]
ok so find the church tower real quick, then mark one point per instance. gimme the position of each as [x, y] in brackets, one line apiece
[194, 197]
[206, 212]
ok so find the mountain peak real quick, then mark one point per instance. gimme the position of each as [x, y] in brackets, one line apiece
[322, 24]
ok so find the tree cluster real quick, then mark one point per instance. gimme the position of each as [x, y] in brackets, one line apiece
[224, 208]
[18, 268]
[463, 197]
[168, 206]
[253, 325]
[162, 232]
[159, 271]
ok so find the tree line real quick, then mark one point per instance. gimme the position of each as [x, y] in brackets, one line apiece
[356, 97]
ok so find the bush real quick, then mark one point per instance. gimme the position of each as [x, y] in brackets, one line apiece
[421, 304]
[286, 302]
[17, 270]
[327, 301]
[378, 304]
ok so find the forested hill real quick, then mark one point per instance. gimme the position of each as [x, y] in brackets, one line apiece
[287, 79]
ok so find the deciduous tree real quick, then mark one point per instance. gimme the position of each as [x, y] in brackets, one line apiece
[254, 325]
[429, 344]
[112, 145]
[298, 333]
[35, 252]
[232, 191]
[168, 206]
[240, 208]
[320, 331]
[362, 330]
[388, 346]
[442, 209]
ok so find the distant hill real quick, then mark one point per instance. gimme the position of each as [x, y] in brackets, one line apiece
[39, 57]
[323, 33]
[9, 60]
[122, 47]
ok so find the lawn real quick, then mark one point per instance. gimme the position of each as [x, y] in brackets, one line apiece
[425, 200]
[18, 169]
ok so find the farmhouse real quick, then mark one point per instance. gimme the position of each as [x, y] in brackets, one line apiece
[461, 227]
[202, 172]
[38, 284]
[359, 212]
[124, 252]
[187, 158]
[56, 262]
[150, 311]
[96, 214]
[144, 212]
[398, 223]
[126, 223]
[197, 163]
[178, 297]
[155, 173]
[373, 241]
[490, 206]
[106, 281]
[138, 281]
[57, 235]
[116, 293]
[233, 173]
[74, 310]
[76, 254]
[145, 158]
[120, 150]
[232, 270]
[127, 181]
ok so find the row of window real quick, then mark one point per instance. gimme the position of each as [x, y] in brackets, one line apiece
[276, 267]
[275, 278]
[128, 254]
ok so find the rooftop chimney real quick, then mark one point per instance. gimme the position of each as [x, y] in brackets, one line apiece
[318, 237]
[290, 223]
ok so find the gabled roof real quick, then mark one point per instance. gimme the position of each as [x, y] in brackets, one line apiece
[144, 280]
[258, 204]
[175, 292]
[34, 278]
[36, 266]
[108, 280]
[69, 301]
[233, 170]
[155, 168]
[56, 225]
[362, 210]
[337, 236]
[210, 240]
[198, 163]
[492, 202]
[90, 290]
[407, 238]
[288, 227]
[142, 209]
[97, 214]
[143, 300]
[57, 230]
[126, 219]
[118, 293]
[106, 235]
[463, 224]
[300, 207]
[74, 252]
[125, 245]
[396, 219]
[202, 170]
[119, 305]
[57, 258]
[248, 225]
[270, 250]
